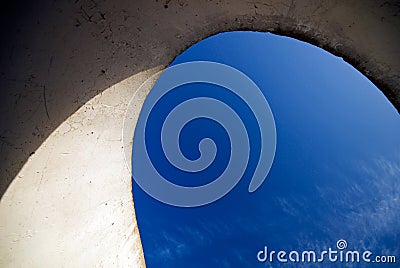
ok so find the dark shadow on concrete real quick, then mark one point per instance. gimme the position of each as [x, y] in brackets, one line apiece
[55, 56]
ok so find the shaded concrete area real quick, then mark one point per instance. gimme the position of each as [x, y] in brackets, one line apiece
[71, 204]
[57, 56]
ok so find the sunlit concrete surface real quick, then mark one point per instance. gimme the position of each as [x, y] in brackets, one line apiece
[71, 203]
[65, 190]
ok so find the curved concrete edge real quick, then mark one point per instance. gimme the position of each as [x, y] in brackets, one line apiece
[61, 54]
[71, 204]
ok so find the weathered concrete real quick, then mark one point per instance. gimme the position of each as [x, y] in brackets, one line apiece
[71, 204]
[59, 57]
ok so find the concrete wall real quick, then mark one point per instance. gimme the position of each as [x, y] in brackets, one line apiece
[68, 71]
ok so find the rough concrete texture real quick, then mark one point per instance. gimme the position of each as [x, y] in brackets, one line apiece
[61, 63]
[71, 203]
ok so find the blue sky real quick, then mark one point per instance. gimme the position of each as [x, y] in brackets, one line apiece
[336, 173]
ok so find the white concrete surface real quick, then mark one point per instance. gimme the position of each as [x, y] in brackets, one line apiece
[71, 204]
[65, 191]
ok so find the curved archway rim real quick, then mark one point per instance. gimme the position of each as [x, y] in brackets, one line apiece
[389, 86]
[384, 75]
